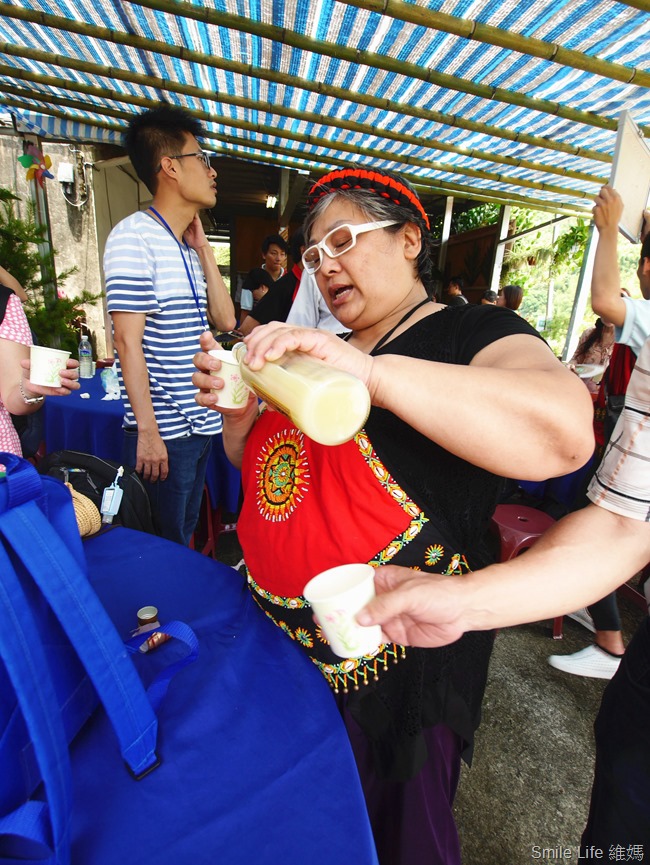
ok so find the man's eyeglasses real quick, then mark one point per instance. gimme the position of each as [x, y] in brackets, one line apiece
[201, 155]
[337, 241]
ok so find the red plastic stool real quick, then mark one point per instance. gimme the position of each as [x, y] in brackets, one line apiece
[518, 527]
[209, 528]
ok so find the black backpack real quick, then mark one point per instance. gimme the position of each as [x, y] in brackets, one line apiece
[90, 475]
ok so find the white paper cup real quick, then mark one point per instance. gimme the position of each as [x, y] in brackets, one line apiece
[336, 596]
[234, 393]
[45, 364]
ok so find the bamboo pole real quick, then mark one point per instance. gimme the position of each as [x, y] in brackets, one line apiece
[239, 148]
[643, 5]
[422, 16]
[272, 131]
[182, 53]
[258, 105]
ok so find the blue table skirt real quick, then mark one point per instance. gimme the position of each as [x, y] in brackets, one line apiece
[94, 426]
[563, 489]
[276, 781]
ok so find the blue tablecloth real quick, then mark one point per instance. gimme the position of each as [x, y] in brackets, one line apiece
[277, 783]
[564, 489]
[94, 426]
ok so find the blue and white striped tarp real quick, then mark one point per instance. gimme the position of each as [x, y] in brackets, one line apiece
[459, 94]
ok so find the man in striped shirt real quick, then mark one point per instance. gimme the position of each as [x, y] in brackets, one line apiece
[163, 287]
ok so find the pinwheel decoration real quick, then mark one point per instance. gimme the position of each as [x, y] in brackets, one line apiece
[36, 164]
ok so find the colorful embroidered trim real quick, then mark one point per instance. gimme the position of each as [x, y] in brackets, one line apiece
[349, 673]
[387, 187]
[418, 519]
[352, 672]
[278, 600]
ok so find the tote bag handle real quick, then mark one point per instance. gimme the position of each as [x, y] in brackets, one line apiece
[63, 583]
[28, 671]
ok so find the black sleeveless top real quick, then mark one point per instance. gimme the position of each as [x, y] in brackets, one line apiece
[444, 685]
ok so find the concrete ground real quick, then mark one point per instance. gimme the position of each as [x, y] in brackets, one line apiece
[530, 779]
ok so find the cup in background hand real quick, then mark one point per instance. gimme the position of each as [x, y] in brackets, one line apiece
[336, 596]
[45, 364]
[234, 393]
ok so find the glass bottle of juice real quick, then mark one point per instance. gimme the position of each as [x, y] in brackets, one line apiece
[327, 404]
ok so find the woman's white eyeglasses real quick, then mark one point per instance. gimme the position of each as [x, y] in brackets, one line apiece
[337, 241]
[201, 155]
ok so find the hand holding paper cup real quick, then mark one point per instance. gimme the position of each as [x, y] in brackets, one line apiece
[234, 393]
[336, 596]
[45, 365]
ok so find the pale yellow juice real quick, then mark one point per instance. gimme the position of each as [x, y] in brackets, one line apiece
[328, 405]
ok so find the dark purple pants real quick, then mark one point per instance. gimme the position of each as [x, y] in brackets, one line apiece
[412, 821]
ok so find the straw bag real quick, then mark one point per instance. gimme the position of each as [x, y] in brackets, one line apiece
[89, 519]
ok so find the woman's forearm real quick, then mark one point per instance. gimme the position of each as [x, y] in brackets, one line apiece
[578, 561]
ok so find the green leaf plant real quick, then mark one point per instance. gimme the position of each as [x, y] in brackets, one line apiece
[55, 319]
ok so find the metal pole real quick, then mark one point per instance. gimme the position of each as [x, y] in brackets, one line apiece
[500, 247]
[45, 247]
[582, 292]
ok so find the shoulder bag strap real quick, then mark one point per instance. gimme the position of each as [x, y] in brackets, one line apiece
[90, 630]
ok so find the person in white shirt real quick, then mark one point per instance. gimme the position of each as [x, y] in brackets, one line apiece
[310, 310]
[631, 320]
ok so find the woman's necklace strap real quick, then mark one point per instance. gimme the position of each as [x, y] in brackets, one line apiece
[404, 318]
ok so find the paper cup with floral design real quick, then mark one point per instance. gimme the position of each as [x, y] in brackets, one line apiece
[45, 364]
[234, 393]
[336, 596]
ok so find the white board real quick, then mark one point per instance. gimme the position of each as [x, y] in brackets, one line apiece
[630, 175]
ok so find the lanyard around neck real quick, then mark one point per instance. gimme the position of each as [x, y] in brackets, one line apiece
[188, 268]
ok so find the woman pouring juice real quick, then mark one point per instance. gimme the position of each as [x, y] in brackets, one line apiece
[451, 389]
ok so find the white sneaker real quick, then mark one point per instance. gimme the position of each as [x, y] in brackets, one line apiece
[591, 661]
[583, 617]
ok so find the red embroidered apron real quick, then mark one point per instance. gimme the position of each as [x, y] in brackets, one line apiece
[308, 507]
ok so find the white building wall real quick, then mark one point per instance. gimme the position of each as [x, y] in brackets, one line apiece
[80, 216]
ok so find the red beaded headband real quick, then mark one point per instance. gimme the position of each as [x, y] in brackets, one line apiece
[359, 178]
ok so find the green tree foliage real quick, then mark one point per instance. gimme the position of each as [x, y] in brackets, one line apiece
[548, 268]
[18, 242]
[546, 262]
[222, 257]
[55, 320]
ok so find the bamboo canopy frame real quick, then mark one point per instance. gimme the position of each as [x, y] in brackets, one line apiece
[517, 105]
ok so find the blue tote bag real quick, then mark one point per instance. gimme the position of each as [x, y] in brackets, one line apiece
[245, 759]
[59, 651]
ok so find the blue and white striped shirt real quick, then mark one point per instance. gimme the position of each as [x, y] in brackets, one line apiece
[144, 272]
